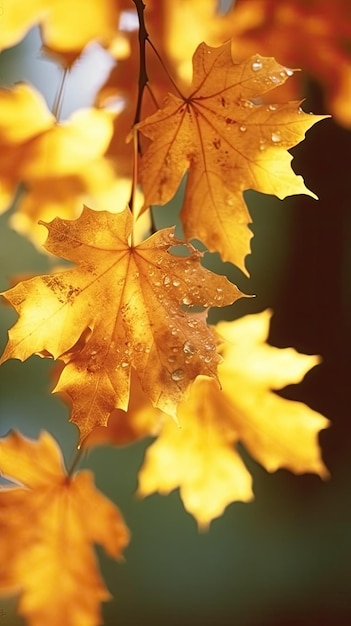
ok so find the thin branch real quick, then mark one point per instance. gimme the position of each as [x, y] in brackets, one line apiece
[143, 77]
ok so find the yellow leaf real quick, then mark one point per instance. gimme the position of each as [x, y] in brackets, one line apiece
[276, 431]
[228, 143]
[48, 527]
[62, 165]
[66, 28]
[130, 298]
[200, 458]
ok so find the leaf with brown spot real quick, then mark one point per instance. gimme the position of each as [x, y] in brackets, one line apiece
[227, 143]
[128, 302]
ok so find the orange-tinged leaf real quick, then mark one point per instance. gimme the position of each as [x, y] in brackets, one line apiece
[200, 458]
[314, 35]
[228, 143]
[66, 28]
[131, 299]
[50, 559]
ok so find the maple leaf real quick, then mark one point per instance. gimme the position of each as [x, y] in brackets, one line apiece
[61, 165]
[228, 144]
[65, 28]
[130, 297]
[48, 525]
[201, 459]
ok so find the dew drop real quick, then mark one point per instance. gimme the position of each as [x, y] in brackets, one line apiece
[188, 348]
[288, 71]
[193, 323]
[209, 346]
[243, 129]
[256, 65]
[272, 107]
[176, 282]
[124, 364]
[167, 280]
[263, 145]
[275, 79]
[276, 137]
[186, 300]
[177, 375]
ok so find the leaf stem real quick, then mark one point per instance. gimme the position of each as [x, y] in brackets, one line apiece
[165, 68]
[57, 105]
[78, 455]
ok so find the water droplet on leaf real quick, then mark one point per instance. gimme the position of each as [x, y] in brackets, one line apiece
[177, 375]
[276, 137]
[188, 348]
[256, 65]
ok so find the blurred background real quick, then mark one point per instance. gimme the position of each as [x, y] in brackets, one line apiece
[284, 559]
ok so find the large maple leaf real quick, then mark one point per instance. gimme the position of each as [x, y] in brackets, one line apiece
[130, 299]
[201, 458]
[48, 526]
[228, 143]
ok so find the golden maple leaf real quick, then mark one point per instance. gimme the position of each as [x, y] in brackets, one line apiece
[130, 299]
[201, 459]
[47, 527]
[66, 27]
[62, 165]
[228, 144]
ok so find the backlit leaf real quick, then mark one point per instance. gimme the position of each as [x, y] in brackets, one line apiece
[200, 457]
[48, 526]
[228, 143]
[66, 26]
[131, 298]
